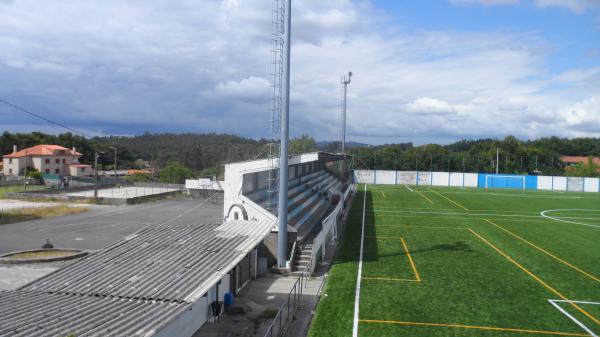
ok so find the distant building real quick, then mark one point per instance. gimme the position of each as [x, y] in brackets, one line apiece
[50, 159]
[573, 160]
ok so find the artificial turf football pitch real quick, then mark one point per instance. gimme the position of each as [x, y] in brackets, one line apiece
[465, 262]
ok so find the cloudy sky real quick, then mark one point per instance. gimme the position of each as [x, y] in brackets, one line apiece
[424, 71]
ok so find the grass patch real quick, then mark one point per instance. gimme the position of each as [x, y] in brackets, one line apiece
[488, 264]
[19, 188]
[26, 214]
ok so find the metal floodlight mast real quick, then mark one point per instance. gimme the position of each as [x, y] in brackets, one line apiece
[282, 211]
[345, 81]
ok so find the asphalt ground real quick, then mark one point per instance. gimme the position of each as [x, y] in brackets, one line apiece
[99, 228]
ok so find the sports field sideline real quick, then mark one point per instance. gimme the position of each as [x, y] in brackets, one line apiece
[427, 262]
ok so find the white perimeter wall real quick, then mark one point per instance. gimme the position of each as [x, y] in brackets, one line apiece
[592, 185]
[410, 178]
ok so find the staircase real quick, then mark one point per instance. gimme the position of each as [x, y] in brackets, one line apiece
[301, 259]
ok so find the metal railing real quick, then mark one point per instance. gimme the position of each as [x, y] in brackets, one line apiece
[281, 322]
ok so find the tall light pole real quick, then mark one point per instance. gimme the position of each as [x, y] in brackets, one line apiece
[345, 81]
[282, 211]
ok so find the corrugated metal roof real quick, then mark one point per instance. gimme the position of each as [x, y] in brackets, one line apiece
[37, 314]
[166, 263]
[133, 287]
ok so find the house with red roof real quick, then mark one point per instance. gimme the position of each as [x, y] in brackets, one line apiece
[50, 159]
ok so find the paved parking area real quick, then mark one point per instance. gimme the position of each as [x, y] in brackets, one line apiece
[102, 226]
[127, 192]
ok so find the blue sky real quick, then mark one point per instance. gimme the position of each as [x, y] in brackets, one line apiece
[425, 71]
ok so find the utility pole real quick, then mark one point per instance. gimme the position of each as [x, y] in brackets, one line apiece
[395, 166]
[115, 164]
[96, 175]
[497, 159]
[345, 82]
[25, 181]
[430, 162]
[463, 164]
[282, 210]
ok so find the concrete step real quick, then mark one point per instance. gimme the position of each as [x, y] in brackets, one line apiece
[301, 263]
[302, 256]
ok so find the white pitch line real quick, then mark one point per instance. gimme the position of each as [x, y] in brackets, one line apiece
[564, 312]
[359, 276]
[543, 213]
[410, 189]
[457, 213]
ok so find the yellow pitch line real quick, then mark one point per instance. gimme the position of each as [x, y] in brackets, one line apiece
[410, 260]
[423, 195]
[427, 227]
[556, 292]
[546, 252]
[558, 333]
[452, 201]
[390, 279]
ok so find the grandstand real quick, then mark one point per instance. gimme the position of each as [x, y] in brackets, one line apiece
[318, 183]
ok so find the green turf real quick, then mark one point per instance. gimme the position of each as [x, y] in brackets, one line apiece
[484, 258]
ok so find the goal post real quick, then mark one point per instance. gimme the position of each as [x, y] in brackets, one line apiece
[499, 181]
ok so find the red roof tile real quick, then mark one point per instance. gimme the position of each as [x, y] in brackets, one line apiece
[43, 150]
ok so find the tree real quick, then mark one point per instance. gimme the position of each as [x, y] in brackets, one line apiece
[589, 169]
[302, 144]
[175, 173]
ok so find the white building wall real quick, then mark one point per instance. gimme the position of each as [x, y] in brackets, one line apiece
[187, 323]
[234, 177]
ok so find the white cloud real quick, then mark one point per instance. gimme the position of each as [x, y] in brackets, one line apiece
[577, 6]
[485, 2]
[125, 67]
[426, 105]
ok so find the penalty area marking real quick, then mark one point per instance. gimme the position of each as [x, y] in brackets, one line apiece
[564, 312]
[543, 213]
[410, 189]
[360, 263]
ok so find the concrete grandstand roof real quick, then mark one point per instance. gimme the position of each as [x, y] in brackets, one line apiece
[144, 280]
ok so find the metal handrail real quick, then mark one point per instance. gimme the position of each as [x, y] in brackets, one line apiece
[295, 294]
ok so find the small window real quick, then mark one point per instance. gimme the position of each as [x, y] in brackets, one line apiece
[47, 171]
[10, 171]
[57, 171]
[47, 161]
[83, 169]
[64, 161]
[57, 161]
[10, 160]
[235, 216]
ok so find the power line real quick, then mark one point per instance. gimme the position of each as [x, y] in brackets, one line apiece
[16, 107]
